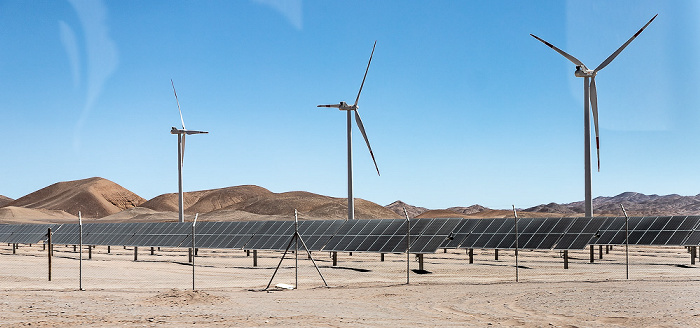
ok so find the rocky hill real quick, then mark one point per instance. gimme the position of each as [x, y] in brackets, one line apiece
[413, 211]
[636, 204]
[94, 197]
[236, 202]
[5, 200]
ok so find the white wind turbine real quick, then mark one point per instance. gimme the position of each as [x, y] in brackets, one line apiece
[590, 95]
[353, 108]
[181, 133]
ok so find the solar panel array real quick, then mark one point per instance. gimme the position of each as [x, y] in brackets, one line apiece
[25, 233]
[660, 231]
[378, 236]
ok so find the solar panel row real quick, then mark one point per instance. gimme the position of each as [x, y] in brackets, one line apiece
[24, 233]
[381, 236]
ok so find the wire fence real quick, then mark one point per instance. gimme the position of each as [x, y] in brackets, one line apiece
[103, 267]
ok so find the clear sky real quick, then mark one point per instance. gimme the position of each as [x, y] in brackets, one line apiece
[461, 105]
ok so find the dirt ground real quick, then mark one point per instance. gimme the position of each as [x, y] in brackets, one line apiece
[156, 290]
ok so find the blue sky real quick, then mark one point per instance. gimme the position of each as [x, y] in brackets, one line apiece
[461, 105]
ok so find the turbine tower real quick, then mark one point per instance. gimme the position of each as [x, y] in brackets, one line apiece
[591, 95]
[181, 133]
[349, 109]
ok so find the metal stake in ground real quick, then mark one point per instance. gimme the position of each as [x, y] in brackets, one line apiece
[296, 249]
[515, 214]
[194, 254]
[408, 247]
[627, 242]
[80, 270]
[50, 249]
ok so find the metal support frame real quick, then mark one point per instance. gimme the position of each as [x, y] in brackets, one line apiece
[408, 247]
[80, 270]
[50, 252]
[515, 215]
[194, 252]
[296, 238]
[627, 243]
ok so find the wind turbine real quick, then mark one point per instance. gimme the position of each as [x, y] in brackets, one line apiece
[349, 109]
[181, 133]
[591, 95]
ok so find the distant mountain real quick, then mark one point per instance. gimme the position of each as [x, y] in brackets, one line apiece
[259, 202]
[413, 211]
[101, 200]
[5, 200]
[94, 197]
[636, 204]
[474, 209]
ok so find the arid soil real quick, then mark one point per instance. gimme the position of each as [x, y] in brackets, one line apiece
[156, 290]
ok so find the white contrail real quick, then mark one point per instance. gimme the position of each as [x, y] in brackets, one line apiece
[102, 56]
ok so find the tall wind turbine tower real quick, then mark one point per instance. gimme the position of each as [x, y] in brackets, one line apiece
[181, 133]
[591, 95]
[350, 109]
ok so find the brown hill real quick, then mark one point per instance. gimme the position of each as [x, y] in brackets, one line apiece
[264, 204]
[21, 215]
[488, 213]
[413, 211]
[5, 200]
[636, 204]
[140, 214]
[430, 214]
[94, 197]
[206, 201]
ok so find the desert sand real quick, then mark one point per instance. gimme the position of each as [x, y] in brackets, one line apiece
[156, 290]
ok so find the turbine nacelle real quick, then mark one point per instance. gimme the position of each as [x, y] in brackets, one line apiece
[175, 130]
[341, 106]
[583, 71]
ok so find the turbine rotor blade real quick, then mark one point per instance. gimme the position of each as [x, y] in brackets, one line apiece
[332, 106]
[594, 109]
[617, 52]
[362, 129]
[561, 52]
[364, 77]
[178, 104]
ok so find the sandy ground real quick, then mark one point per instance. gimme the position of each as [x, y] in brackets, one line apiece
[156, 290]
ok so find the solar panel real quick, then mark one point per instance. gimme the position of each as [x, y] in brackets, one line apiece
[397, 242]
[337, 243]
[476, 233]
[27, 233]
[463, 229]
[66, 234]
[360, 239]
[434, 234]
[388, 238]
[225, 235]
[315, 240]
[580, 233]
[271, 235]
[375, 230]
[115, 234]
[163, 234]
[690, 223]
